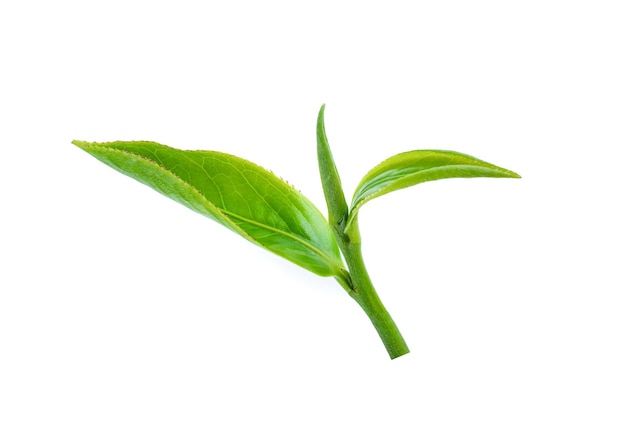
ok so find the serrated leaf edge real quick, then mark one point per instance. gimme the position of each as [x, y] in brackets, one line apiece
[224, 214]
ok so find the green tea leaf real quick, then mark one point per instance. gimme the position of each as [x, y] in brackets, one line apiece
[411, 168]
[240, 195]
[335, 199]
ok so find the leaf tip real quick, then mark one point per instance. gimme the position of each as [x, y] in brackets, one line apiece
[81, 144]
[514, 175]
[320, 116]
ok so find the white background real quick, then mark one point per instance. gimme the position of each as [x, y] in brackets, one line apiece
[124, 314]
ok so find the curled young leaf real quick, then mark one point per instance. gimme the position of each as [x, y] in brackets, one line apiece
[411, 168]
[331, 183]
[240, 195]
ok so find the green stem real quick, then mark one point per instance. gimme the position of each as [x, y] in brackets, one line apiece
[363, 292]
[356, 282]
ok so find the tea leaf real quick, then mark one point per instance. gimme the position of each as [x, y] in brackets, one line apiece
[335, 199]
[411, 168]
[240, 195]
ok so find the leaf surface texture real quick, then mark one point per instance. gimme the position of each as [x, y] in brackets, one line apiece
[237, 193]
[417, 166]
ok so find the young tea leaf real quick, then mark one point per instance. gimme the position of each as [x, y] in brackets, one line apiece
[335, 199]
[411, 168]
[240, 195]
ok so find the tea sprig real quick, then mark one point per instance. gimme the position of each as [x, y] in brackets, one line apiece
[266, 211]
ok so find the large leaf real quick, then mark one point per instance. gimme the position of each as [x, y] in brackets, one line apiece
[411, 168]
[234, 192]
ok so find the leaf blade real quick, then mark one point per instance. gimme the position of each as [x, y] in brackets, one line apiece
[236, 193]
[411, 168]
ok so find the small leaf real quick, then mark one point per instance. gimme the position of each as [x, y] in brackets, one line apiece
[240, 195]
[335, 199]
[411, 168]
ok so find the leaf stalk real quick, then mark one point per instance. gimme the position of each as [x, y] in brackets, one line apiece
[363, 292]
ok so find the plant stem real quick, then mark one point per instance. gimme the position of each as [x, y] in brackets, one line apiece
[363, 292]
[357, 281]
